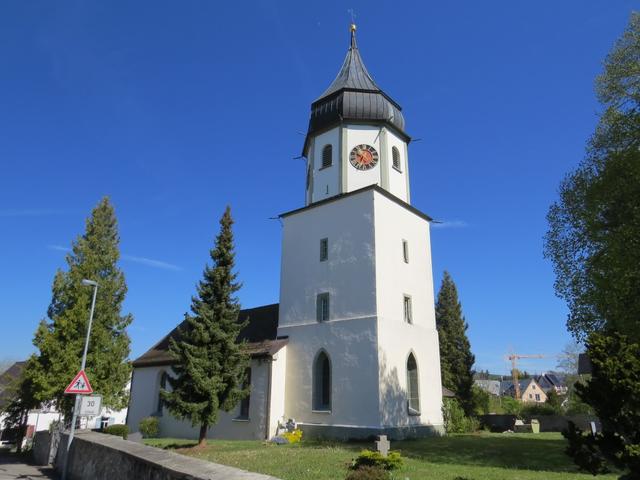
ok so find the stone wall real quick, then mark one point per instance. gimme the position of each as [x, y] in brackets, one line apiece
[106, 457]
[41, 448]
[548, 423]
[558, 423]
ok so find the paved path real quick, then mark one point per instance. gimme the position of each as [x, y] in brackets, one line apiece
[12, 467]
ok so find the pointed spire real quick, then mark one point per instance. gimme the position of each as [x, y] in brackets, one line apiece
[353, 75]
[353, 95]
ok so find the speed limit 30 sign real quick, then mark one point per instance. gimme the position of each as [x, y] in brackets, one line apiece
[90, 405]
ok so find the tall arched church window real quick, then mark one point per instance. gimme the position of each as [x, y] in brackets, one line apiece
[162, 386]
[395, 156]
[327, 156]
[413, 389]
[322, 382]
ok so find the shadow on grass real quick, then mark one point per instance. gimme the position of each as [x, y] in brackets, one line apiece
[507, 451]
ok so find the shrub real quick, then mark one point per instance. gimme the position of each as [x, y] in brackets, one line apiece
[455, 421]
[511, 406]
[369, 458]
[149, 427]
[294, 437]
[368, 473]
[531, 410]
[118, 430]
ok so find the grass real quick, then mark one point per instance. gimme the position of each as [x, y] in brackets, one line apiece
[483, 456]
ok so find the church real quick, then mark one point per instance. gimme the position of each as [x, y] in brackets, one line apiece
[351, 349]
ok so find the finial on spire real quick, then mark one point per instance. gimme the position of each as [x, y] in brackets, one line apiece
[352, 28]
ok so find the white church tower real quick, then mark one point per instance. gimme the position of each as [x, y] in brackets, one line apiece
[356, 292]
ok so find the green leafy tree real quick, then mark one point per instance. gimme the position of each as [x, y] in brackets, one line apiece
[60, 340]
[456, 358]
[209, 361]
[594, 228]
[614, 393]
[554, 401]
[594, 243]
[481, 401]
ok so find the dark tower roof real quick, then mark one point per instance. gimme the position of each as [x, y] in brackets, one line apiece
[354, 96]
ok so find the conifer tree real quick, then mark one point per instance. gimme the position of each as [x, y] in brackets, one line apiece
[456, 358]
[60, 340]
[209, 362]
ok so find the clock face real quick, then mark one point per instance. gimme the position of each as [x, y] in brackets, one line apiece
[363, 157]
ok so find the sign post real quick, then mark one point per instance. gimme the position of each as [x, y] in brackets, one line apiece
[80, 384]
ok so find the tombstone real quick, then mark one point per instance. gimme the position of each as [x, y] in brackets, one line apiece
[383, 445]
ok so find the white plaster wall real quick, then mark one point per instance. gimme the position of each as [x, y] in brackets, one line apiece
[352, 349]
[144, 401]
[357, 135]
[396, 339]
[41, 420]
[397, 180]
[278, 385]
[348, 274]
[326, 181]
[394, 277]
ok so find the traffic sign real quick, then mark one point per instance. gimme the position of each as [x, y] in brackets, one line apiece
[80, 384]
[90, 405]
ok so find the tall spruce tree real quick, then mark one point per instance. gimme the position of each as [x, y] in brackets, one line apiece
[209, 361]
[60, 340]
[456, 358]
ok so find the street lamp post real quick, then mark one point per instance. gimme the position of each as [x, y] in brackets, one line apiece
[93, 284]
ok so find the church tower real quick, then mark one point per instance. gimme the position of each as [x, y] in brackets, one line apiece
[356, 288]
[355, 124]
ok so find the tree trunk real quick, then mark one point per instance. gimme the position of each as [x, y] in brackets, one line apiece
[202, 440]
[22, 430]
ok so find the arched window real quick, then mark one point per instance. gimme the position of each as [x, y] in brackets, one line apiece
[162, 386]
[322, 382]
[395, 155]
[327, 156]
[413, 390]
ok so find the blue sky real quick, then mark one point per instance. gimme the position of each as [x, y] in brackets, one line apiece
[175, 109]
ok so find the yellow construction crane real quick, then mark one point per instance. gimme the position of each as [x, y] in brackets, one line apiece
[514, 357]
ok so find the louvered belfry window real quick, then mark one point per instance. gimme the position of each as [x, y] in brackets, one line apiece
[324, 249]
[395, 155]
[327, 156]
[322, 307]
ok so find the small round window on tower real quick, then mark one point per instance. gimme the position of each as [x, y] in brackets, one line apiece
[327, 156]
[395, 155]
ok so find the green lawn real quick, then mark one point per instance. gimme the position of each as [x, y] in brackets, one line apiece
[484, 456]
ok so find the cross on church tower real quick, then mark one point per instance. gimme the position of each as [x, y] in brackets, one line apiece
[353, 17]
